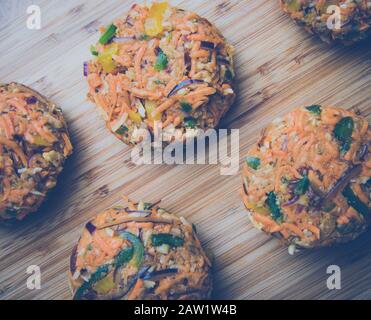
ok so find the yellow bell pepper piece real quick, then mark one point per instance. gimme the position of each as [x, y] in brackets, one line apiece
[105, 285]
[260, 210]
[153, 24]
[40, 141]
[294, 5]
[135, 117]
[105, 58]
[151, 106]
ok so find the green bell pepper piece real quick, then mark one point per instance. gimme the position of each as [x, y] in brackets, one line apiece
[253, 162]
[99, 274]
[273, 205]
[108, 35]
[355, 202]
[166, 238]
[138, 248]
[343, 133]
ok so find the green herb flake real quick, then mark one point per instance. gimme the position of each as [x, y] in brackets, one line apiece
[274, 207]
[94, 51]
[284, 180]
[144, 37]
[122, 130]
[161, 61]
[328, 206]
[190, 123]
[315, 109]
[253, 162]
[147, 206]
[186, 107]
[302, 186]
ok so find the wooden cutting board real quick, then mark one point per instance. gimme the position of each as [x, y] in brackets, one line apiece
[279, 67]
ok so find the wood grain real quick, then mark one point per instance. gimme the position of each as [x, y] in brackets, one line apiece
[279, 66]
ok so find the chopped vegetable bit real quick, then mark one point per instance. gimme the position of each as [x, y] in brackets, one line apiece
[31, 100]
[144, 37]
[108, 35]
[186, 107]
[284, 180]
[90, 227]
[253, 162]
[207, 45]
[40, 141]
[182, 85]
[147, 206]
[274, 207]
[343, 133]
[94, 51]
[302, 186]
[328, 206]
[355, 202]
[161, 61]
[166, 238]
[86, 69]
[228, 75]
[315, 109]
[190, 123]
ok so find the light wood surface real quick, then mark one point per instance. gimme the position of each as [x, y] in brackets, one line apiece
[279, 66]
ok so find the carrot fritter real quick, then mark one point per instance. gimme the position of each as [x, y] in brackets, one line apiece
[34, 144]
[161, 64]
[307, 179]
[139, 252]
[355, 16]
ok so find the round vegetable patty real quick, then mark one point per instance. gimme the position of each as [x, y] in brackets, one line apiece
[34, 144]
[140, 252]
[313, 15]
[161, 64]
[307, 180]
